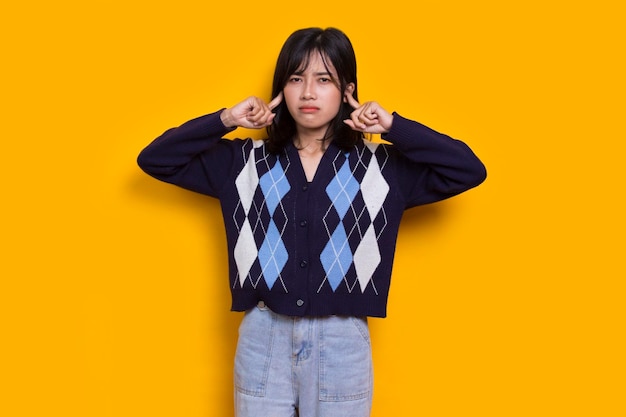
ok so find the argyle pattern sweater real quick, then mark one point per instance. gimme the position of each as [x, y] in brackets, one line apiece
[321, 247]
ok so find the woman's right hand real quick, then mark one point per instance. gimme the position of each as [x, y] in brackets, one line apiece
[252, 113]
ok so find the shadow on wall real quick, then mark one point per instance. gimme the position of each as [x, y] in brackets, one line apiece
[217, 326]
[428, 216]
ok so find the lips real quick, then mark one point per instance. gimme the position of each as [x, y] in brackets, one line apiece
[308, 109]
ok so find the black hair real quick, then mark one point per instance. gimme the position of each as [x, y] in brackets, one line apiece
[333, 46]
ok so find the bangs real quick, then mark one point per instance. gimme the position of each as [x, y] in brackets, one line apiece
[337, 55]
[300, 64]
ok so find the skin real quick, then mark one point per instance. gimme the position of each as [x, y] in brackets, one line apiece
[313, 100]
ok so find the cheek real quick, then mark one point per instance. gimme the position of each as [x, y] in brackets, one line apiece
[337, 101]
[334, 96]
[290, 96]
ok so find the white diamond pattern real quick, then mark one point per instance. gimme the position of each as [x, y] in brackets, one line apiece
[245, 251]
[374, 188]
[246, 183]
[366, 258]
[336, 256]
[343, 191]
[252, 223]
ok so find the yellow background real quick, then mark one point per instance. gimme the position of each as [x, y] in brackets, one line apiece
[506, 301]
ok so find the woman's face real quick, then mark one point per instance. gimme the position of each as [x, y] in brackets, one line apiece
[313, 98]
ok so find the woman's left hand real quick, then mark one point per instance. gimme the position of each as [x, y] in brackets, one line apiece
[368, 117]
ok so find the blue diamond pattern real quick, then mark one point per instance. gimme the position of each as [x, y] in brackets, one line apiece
[272, 255]
[342, 189]
[336, 257]
[274, 185]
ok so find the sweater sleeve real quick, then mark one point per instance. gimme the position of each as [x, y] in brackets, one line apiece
[432, 166]
[193, 156]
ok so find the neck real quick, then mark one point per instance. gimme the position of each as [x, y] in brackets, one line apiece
[310, 145]
[312, 140]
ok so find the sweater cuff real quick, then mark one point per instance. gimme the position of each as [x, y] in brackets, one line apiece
[401, 129]
[217, 123]
[404, 133]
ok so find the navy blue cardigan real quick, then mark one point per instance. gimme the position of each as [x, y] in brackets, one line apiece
[321, 247]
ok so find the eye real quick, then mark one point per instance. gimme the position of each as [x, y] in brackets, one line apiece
[295, 79]
[325, 80]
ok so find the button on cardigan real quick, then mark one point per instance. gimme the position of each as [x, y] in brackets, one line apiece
[321, 247]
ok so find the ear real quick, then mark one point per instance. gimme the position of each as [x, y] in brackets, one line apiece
[349, 90]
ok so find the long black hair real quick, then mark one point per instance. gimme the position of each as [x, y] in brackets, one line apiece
[334, 48]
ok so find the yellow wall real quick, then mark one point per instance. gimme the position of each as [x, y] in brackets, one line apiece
[506, 301]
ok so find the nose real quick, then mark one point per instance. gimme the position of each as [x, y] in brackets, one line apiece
[308, 90]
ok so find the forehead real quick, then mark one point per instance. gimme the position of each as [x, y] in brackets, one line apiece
[316, 62]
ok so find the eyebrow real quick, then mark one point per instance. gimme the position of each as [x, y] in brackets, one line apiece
[316, 74]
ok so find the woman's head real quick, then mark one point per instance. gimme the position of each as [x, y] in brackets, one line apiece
[331, 49]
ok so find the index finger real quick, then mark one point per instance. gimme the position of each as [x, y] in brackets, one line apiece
[352, 101]
[276, 101]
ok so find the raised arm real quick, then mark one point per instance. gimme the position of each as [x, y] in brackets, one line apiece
[436, 166]
[195, 155]
[432, 166]
[190, 155]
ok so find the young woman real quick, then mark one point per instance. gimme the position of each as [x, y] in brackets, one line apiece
[311, 215]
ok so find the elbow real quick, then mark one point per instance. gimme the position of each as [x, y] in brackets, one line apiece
[478, 174]
[142, 161]
[157, 167]
[472, 176]
[148, 163]
[145, 164]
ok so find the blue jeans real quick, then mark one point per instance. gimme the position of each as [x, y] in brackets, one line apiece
[302, 366]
